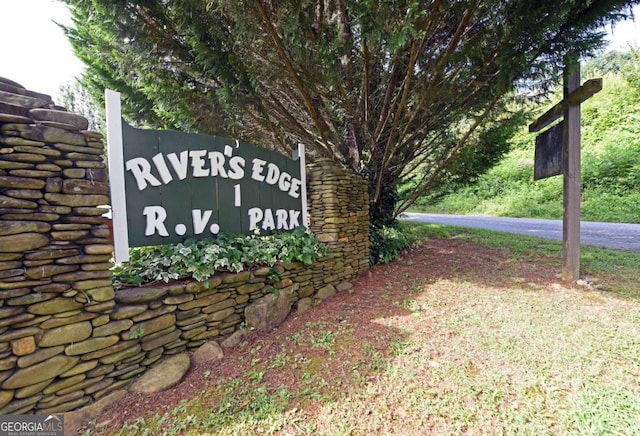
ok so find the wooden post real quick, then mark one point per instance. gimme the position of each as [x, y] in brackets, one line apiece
[572, 177]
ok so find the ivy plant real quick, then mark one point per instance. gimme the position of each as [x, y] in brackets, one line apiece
[200, 259]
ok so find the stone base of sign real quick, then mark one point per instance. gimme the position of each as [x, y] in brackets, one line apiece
[67, 338]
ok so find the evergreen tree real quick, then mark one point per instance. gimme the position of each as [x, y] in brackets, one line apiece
[76, 99]
[392, 88]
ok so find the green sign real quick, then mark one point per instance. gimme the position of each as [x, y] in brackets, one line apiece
[168, 186]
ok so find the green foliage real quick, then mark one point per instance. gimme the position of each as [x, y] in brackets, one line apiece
[610, 160]
[201, 259]
[385, 87]
[388, 242]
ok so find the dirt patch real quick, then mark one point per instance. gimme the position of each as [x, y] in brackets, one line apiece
[329, 359]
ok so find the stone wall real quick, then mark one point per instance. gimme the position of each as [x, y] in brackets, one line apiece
[67, 338]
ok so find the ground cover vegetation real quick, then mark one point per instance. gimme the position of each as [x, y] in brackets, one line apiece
[610, 158]
[470, 332]
[200, 259]
[393, 90]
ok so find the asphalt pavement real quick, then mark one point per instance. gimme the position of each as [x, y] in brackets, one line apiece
[607, 235]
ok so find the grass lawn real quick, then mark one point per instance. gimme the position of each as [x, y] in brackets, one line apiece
[472, 332]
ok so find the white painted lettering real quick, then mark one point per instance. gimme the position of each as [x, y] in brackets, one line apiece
[267, 222]
[200, 220]
[258, 166]
[237, 200]
[285, 182]
[180, 166]
[294, 215]
[141, 170]
[294, 192]
[236, 168]
[155, 220]
[281, 219]
[217, 164]
[255, 216]
[197, 163]
[162, 168]
[273, 173]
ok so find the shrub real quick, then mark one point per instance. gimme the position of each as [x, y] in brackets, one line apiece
[227, 252]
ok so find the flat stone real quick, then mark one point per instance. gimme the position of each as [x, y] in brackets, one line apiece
[82, 275]
[70, 235]
[25, 194]
[221, 314]
[90, 345]
[113, 327]
[60, 321]
[13, 334]
[152, 325]
[22, 317]
[98, 249]
[22, 100]
[98, 285]
[74, 173]
[84, 258]
[139, 295]
[19, 407]
[76, 200]
[67, 334]
[12, 182]
[154, 313]
[178, 299]
[52, 253]
[16, 203]
[49, 271]
[103, 307]
[5, 397]
[57, 305]
[206, 286]
[80, 186]
[64, 383]
[203, 302]
[219, 306]
[121, 355]
[40, 372]
[101, 294]
[31, 390]
[161, 340]
[163, 376]
[22, 242]
[40, 132]
[127, 312]
[40, 355]
[17, 227]
[237, 278]
[77, 121]
[31, 298]
[23, 346]
[249, 288]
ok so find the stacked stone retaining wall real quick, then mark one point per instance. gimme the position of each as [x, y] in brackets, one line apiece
[67, 338]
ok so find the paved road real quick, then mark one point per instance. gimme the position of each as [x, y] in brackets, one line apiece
[608, 235]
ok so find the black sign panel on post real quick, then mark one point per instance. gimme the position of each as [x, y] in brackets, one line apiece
[168, 186]
[549, 156]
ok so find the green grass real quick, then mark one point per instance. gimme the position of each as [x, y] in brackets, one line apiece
[489, 342]
[610, 167]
